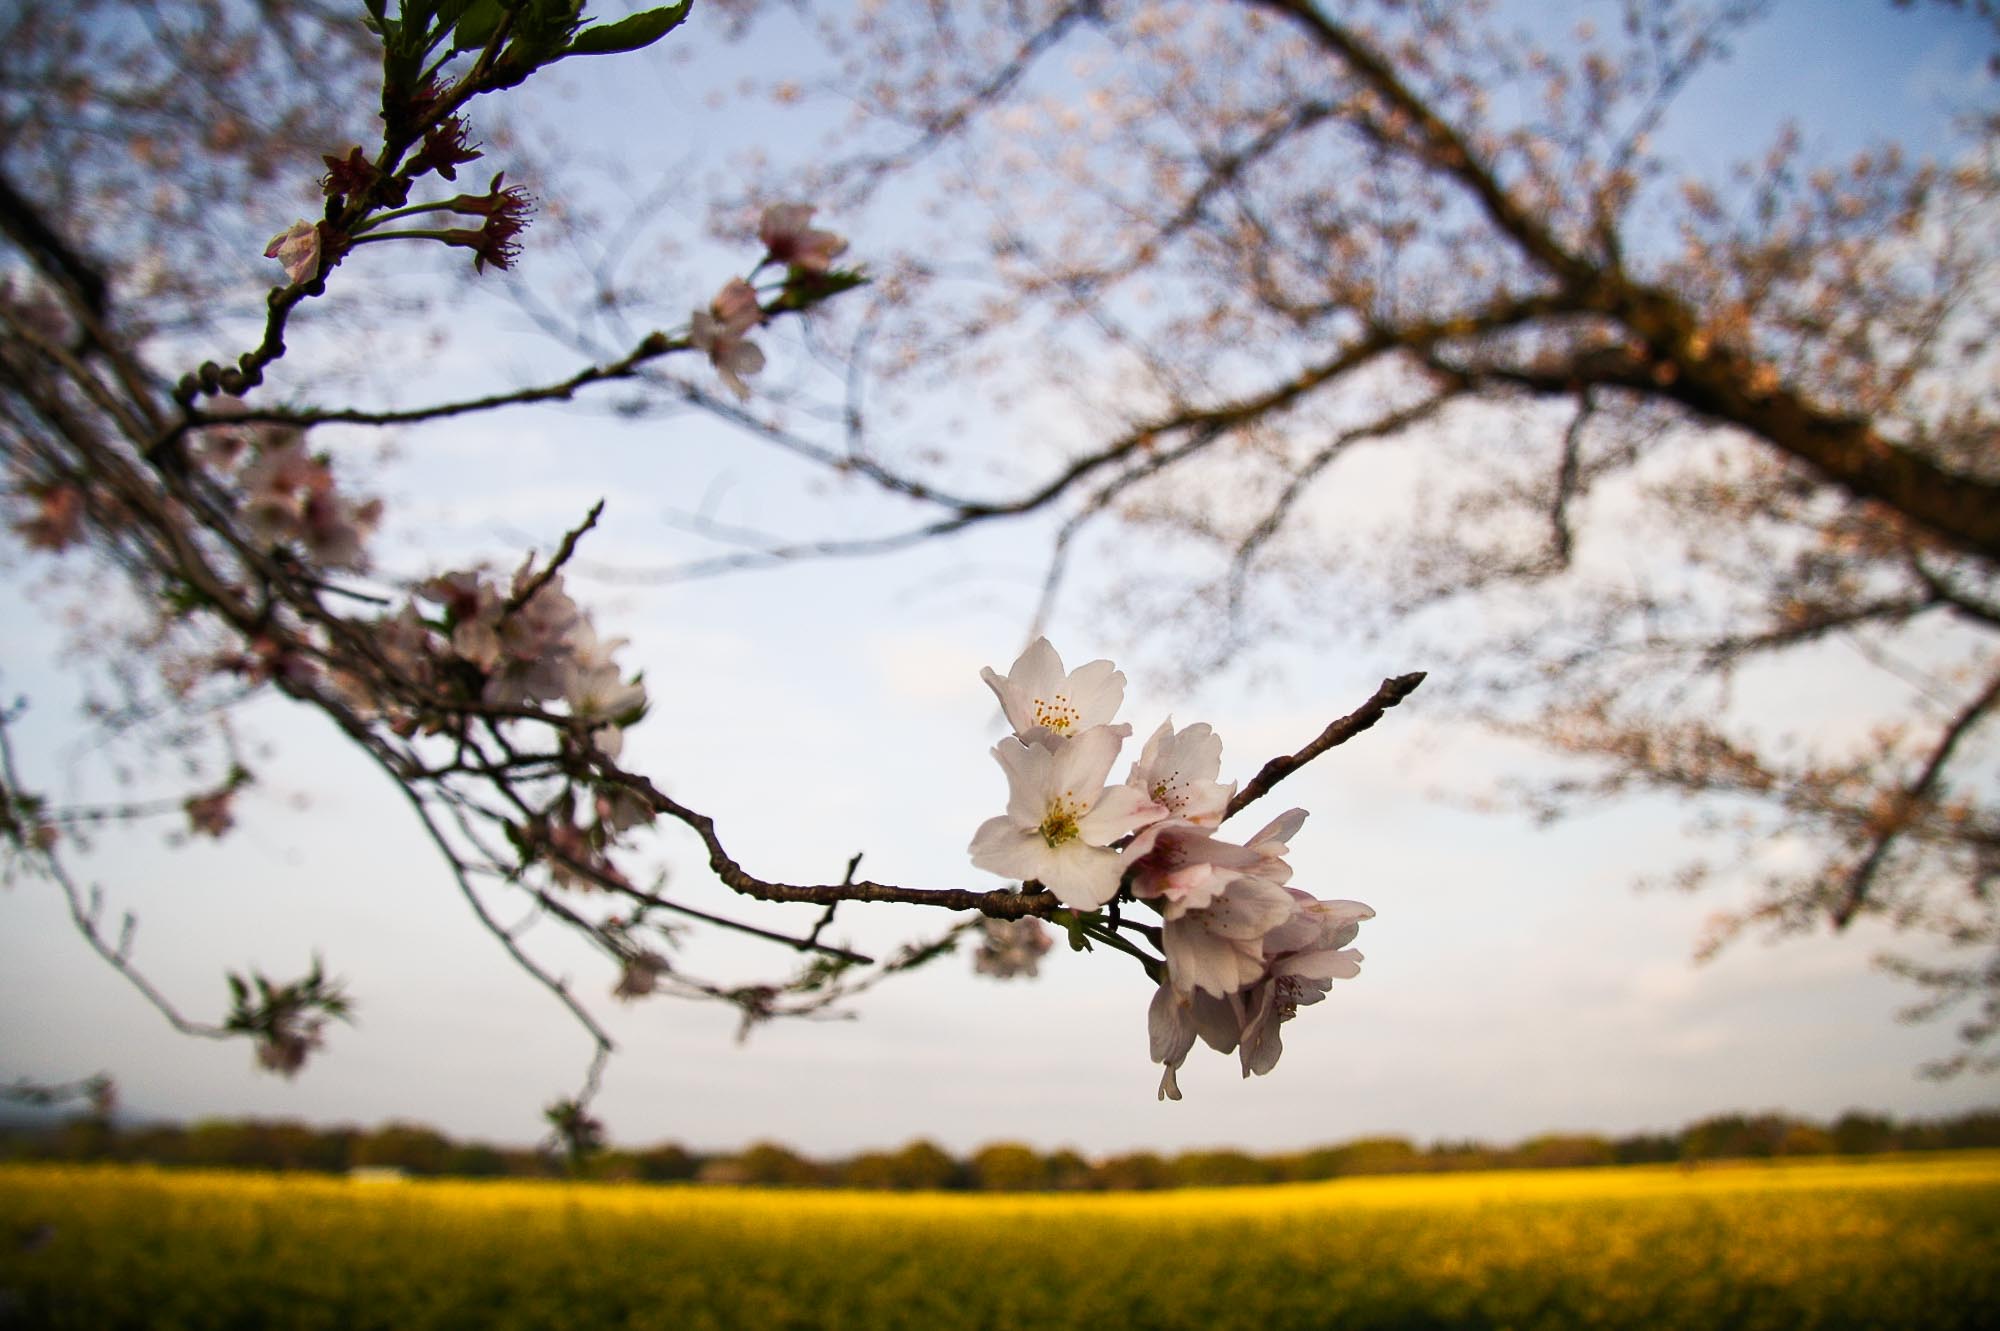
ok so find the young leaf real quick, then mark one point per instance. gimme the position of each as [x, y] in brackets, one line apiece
[476, 25]
[629, 34]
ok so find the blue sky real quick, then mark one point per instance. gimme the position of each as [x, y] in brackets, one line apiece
[1514, 982]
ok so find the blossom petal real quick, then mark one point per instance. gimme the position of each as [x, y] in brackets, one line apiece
[1170, 1025]
[1341, 965]
[1030, 781]
[1279, 833]
[1219, 1021]
[1084, 760]
[1081, 877]
[1248, 908]
[1001, 846]
[1200, 959]
[1096, 689]
[1117, 811]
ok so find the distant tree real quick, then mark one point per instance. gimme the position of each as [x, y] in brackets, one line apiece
[1647, 1149]
[1134, 1172]
[411, 1147]
[1562, 1151]
[1069, 1172]
[1377, 1155]
[1216, 1169]
[475, 1160]
[1008, 1167]
[1856, 1133]
[666, 1163]
[927, 1166]
[768, 1164]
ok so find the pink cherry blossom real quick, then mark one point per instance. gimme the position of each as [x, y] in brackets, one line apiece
[58, 520]
[1302, 960]
[791, 241]
[1010, 948]
[720, 331]
[1220, 947]
[297, 248]
[1180, 866]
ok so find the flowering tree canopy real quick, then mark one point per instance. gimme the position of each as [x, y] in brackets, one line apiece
[1428, 324]
[494, 701]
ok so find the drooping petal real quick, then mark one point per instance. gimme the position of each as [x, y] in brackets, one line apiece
[1262, 1043]
[1219, 1021]
[1170, 1025]
[1170, 1028]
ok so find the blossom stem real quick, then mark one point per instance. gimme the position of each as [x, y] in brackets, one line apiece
[1093, 927]
[446, 236]
[395, 213]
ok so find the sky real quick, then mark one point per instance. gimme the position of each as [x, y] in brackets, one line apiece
[1514, 981]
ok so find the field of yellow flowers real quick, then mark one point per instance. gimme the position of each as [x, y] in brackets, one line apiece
[1893, 1242]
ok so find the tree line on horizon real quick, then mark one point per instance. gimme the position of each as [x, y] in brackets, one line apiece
[288, 1145]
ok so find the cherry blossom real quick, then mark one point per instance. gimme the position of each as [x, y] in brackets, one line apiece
[1179, 866]
[1300, 960]
[290, 496]
[1303, 958]
[1010, 948]
[297, 248]
[58, 520]
[1220, 947]
[1061, 818]
[1177, 769]
[790, 241]
[595, 689]
[640, 975]
[719, 331]
[1044, 704]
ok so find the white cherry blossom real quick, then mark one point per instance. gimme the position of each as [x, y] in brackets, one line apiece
[1177, 769]
[1045, 705]
[1061, 818]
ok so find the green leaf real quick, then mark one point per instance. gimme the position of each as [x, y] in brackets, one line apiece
[629, 34]
[476, 26]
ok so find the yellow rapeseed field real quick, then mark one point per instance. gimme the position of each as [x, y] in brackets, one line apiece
[1894, 1242]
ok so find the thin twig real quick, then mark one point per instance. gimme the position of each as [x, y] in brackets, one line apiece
[1392, 692]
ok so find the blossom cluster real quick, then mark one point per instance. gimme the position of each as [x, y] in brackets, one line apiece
[722, 331]
[529, 643]
[1242, 950]
[289, 496]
